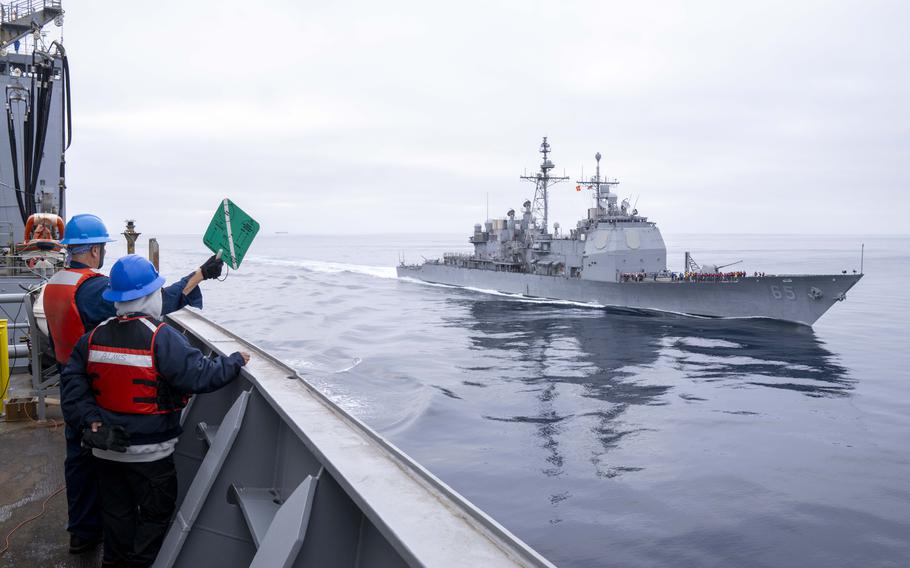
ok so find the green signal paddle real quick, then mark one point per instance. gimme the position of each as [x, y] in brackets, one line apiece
[230, 233]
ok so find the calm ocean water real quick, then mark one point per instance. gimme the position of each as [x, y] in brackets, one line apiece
[605, 438]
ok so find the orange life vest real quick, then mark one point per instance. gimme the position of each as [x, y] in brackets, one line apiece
[121, 366]
[63, 320]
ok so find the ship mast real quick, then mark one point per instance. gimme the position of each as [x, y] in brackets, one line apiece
[605, 200]
[543, 180]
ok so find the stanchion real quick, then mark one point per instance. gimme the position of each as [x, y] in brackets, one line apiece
[4, 365]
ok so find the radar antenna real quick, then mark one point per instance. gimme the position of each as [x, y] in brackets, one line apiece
[543, 180]
[605, 200]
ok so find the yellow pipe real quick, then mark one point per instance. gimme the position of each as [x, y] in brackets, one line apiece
[4, 365]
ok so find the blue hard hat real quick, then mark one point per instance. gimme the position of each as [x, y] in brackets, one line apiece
[132, 277]
[85, 229]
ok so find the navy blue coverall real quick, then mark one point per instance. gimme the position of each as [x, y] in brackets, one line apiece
[84, 506]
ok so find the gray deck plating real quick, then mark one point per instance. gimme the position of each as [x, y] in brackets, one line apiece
[780, 297]
[281, 476]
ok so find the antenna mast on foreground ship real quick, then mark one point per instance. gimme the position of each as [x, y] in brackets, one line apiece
[542, 181]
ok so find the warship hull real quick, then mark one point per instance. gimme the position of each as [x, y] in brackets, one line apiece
[798, 298]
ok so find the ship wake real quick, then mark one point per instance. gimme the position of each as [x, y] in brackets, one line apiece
[509, 295]
[326, 267]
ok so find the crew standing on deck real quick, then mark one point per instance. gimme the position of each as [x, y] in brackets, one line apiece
[125, 385]
[73, 304]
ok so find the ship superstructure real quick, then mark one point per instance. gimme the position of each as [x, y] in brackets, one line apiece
[37, 129]
[33, 81]
[612, 240]
[617, 257]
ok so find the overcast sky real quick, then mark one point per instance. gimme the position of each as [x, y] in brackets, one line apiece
[323, 117]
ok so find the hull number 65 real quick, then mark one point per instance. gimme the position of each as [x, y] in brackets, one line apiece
[781, 292]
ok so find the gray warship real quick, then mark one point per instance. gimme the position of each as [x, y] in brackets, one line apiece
[616, 257]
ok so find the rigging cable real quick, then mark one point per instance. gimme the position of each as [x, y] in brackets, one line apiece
[66, 133]
[28, 141]
[45, 91]
[35, 121]
[65, 77]
[14, 153]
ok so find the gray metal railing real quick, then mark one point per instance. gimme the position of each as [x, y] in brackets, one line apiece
[12, 11]
[45, 380]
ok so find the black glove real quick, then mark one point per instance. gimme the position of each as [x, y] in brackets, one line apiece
[211, 268]
[113, 438]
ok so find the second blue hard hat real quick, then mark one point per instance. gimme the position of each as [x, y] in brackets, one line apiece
[85, 229]
[132, 277]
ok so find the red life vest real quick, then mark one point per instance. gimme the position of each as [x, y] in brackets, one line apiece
[63, 320]
[121, 366]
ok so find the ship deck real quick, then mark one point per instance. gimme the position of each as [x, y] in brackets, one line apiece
[482, 265]
[31, 483]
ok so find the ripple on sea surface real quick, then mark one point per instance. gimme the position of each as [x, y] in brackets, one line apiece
[604, 437]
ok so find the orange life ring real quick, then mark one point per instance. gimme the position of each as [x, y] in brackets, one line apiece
[39, 225]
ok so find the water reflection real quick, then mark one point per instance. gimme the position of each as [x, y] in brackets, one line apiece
[765, 354]
[622, 359]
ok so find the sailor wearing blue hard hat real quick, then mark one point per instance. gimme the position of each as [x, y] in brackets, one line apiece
[74, 304]
[132, 277]
[85, 229]
[86, 235]
[142, 373]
